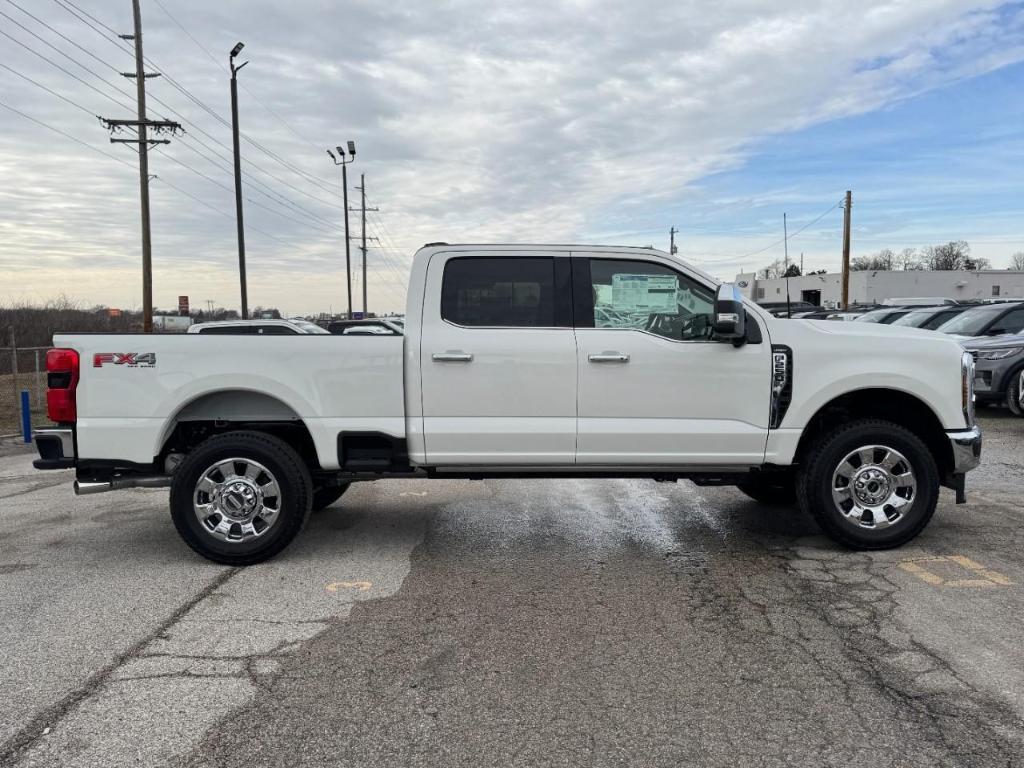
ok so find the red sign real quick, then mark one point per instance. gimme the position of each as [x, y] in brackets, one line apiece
[183, 306]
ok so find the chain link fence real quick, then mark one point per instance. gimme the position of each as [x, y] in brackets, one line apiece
[22, 369]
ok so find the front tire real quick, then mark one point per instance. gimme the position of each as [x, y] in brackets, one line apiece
[870, 485]
[241, 497]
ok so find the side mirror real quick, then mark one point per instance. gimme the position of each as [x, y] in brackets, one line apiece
[730, 322]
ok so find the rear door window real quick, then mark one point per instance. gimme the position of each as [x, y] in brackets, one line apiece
[229, 330]
[1011, 322]
[495, 292]
[275, 330]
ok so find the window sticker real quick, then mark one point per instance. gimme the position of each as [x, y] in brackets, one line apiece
[651, 294]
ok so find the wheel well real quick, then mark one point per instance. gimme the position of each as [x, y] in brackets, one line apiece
[879, 403]
[228, 410]
[1008, 377]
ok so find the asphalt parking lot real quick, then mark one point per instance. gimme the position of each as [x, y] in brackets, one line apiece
[514, 623]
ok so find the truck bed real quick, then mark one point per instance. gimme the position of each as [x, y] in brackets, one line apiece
[134, 388]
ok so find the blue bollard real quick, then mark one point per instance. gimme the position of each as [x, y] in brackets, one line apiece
[26, 417]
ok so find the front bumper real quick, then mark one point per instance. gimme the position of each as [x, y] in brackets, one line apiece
[56, 448]
[966, 445]
[966, 448]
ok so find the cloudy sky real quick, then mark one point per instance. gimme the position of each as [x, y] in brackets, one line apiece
[552, 121]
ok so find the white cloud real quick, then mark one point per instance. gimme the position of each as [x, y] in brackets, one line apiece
[475, 121]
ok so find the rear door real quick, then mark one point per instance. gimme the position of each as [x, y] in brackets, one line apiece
[653, 387]
[498, 359]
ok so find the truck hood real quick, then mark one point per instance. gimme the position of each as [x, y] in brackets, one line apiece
[988, 342]
[876, 330]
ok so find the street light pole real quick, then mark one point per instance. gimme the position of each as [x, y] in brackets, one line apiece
[348, 240]
[340, 160]
[238, 176]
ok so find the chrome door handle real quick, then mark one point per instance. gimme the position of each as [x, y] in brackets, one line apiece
[609, 357]
[452, 357]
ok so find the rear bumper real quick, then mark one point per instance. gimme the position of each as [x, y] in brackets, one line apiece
[56, 448]
[966, 445]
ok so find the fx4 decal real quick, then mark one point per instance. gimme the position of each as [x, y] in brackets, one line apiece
[131, 359]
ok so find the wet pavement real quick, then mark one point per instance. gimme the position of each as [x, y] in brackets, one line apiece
[507, 623]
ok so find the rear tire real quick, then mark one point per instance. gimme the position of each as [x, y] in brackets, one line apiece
[241, 497]
[1013, 392]
[870, 485]
[325, 495]
[770, 488]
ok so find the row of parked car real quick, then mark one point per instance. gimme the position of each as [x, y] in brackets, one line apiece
[373, 326]
[993, 332]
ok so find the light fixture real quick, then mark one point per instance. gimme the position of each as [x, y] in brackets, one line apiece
[237, 49]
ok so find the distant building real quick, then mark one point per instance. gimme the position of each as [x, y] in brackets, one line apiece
[874, 286]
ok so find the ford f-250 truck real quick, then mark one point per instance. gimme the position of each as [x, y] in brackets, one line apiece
[523, 361]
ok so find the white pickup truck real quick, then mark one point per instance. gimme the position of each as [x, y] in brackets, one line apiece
[523, 361]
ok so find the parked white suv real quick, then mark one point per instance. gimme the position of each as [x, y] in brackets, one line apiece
[524, 361]
[258, 328]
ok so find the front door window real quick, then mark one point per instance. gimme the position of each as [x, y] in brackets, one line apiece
[644, 296]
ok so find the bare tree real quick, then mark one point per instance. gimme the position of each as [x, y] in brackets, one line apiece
[771, 271]
[881, 261]
[1017, 261]
[950, 256]
[909, 259]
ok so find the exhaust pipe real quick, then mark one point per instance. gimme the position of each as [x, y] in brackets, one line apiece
[88, 487]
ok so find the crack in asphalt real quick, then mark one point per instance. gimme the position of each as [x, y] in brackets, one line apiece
[44, 720]
[861, 618]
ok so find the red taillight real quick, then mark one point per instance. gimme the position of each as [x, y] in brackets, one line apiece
[61, 381]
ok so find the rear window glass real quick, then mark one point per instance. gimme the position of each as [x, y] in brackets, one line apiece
[229, 330]
[499, 292]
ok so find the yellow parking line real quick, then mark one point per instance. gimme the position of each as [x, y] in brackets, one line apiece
[988, 577]
[361, 586]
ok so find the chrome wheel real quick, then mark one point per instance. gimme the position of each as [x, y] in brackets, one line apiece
[874, 487]
[236, 500]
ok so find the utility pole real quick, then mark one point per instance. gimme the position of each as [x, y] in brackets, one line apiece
[672, 241]
[362, 190]
[238, 176]
[785, 241]
[846, 248]
[141, 124]
[340, 160]
[785, 246]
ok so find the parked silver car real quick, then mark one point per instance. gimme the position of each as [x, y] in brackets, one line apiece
[986, 320]
[999, 370]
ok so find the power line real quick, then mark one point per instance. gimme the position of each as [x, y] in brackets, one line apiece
[188, 34]
[124, 162]
[257, 185]
[73, 60]
[172, 110]
[66, 135]
[305, 175]
[779, 242]
[65, 37]
[86, 13]
[220, 65]
[68, 72]
[49, 90]
[249, 199]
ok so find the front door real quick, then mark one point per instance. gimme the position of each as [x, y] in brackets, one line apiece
[654, 389]
[498, 366]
